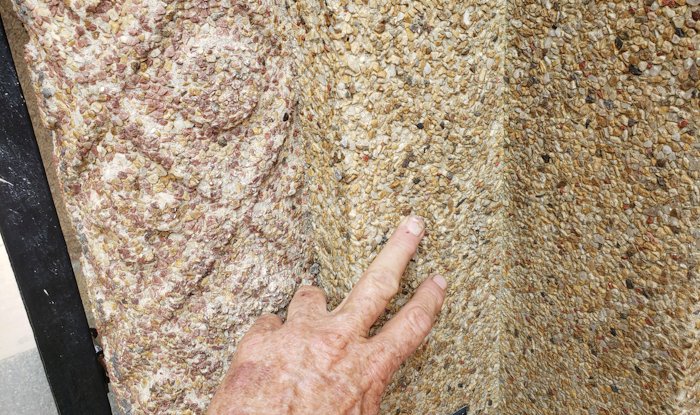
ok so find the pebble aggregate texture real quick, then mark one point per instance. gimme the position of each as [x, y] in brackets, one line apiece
[214, 155]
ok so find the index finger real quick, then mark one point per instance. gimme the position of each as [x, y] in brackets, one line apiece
[380, 282]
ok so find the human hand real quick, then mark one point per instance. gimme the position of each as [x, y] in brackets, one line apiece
[321, 362]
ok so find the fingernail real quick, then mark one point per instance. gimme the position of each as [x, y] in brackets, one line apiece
[439, 280]
[414, 224]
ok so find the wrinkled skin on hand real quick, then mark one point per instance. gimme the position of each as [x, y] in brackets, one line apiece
[321, 362]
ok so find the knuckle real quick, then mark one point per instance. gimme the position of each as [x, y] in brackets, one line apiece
[420, 320]
[435, 296]
[406, 244]
[333, 340]
[382, 280]
[250, 341]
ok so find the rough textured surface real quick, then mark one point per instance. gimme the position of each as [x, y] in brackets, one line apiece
[403, 99]
[603, 177]
[176, 164]
[551, 146]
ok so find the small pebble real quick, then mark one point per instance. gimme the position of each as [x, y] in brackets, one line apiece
[634, 70]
